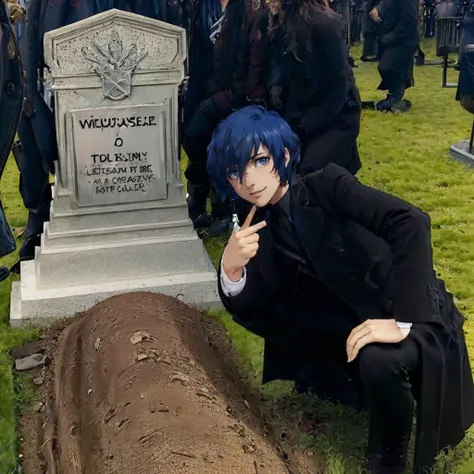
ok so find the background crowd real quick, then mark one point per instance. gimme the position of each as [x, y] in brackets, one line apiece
[289, 56]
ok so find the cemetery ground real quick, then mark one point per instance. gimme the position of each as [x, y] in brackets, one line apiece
[406, 155]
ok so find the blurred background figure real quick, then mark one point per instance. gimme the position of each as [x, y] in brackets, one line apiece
[465, 91]
[369, 30]
[11, 96]
[228, 62]
[357, 13]
[399, 37]
[312, 84]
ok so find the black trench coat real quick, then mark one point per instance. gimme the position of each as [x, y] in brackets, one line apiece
[399, 35]
[374, 251]
[11, 98]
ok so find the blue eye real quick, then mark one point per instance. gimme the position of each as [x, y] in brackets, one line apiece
[263, 161]
[233, 174]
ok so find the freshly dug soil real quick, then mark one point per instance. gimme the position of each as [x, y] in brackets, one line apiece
[145, 384]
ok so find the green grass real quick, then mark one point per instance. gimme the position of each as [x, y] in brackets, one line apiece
[406, 155]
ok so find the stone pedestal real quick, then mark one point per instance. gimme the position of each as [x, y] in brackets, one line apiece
[119, 219]
[460, 152]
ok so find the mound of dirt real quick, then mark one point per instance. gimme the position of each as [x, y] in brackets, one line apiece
[143, 384]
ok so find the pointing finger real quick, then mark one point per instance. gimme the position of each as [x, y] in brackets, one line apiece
[249, 218]
[252, 230]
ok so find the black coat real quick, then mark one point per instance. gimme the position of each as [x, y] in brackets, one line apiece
[400, 23]
[373, 251]
[320, 83]
[399, 34]
[11, 85]
[11, 96]
[208, 62]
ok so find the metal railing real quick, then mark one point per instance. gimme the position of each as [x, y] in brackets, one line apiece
[448, 35]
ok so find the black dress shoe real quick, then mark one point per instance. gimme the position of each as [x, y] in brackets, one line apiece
[220, 227]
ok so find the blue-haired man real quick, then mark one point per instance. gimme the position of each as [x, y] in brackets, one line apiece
[338, 279]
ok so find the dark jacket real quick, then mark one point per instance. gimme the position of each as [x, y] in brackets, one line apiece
[319, 83]
[209, 63]
[400, 25]
[466, 76]
[11, 85]
[11, 95]
[373, 251]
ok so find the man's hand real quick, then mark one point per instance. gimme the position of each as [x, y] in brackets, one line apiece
[374, 14]
[372, 330]
[241, 248]
[16, 12]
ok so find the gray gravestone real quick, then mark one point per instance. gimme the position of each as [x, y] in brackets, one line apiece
[119, 218]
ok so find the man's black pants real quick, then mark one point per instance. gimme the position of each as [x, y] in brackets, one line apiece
[196, 139]
[389, 374]
[396, 69]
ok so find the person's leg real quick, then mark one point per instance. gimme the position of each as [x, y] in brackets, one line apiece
[336, 144]
[34, 179]
[195, 142]
[196, 139]
[387, 372]
[396, 71]
[369, 51]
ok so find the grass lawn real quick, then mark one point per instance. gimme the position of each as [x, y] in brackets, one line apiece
[405, 155]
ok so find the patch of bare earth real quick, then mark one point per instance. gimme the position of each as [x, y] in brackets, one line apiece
[141, 383]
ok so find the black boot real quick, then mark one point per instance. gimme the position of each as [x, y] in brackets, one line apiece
[27, 252]
[390, 457]
[220, 226]
[197, 198]
[37, 217]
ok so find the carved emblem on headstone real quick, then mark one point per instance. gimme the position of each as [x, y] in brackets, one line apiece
[115, 65]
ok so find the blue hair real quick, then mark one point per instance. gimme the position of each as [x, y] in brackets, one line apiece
[239, 136]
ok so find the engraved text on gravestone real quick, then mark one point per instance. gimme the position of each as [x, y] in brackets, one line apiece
[119, 154]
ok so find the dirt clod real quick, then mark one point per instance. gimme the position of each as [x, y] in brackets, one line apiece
[38, 381]
[140, 336]
[184, 379]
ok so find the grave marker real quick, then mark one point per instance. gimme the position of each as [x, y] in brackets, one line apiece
[119, 218]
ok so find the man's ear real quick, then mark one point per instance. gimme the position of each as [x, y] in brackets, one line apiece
[287, 157]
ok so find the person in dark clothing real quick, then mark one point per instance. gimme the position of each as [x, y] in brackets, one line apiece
[228, 59]
[312, 84]
[369, 52]
[338, 279]
[400, 34]
[465, 89]
[429, 14]
[356, 20]
[11, 97]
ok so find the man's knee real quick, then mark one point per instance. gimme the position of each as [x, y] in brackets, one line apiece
[377, 362]
[382, 362]
[384, 68]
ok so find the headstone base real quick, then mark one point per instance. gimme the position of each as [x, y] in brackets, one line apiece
[460, 152]
[30, 306]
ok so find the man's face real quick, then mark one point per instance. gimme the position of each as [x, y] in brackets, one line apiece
[260, 182]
